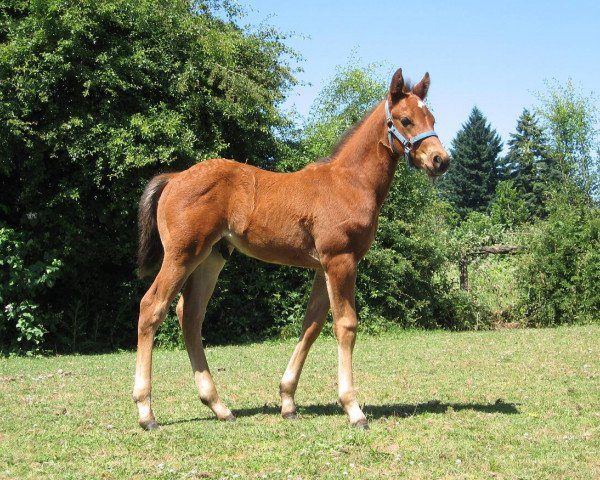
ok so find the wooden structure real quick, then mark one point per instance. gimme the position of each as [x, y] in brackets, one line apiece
[485, 250]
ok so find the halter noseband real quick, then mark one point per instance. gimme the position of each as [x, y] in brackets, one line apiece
[407, 143]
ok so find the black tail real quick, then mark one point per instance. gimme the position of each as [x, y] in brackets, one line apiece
[150, 250]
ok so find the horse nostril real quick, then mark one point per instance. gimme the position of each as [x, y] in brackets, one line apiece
[437, 161]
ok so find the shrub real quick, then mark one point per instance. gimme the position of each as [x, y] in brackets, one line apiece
[96, 97]
[559, 277]
[26, 280]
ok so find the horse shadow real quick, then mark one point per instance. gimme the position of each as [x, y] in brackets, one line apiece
[373, 412]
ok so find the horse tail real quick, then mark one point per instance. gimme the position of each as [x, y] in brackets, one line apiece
[150, 249]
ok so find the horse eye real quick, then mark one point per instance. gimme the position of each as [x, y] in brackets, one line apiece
[405, 121]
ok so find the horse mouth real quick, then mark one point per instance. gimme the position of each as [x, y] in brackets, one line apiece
[434, 172]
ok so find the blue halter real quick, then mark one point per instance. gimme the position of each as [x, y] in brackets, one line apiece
[407, 143]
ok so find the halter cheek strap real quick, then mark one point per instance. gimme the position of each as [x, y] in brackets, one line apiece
[407, 143]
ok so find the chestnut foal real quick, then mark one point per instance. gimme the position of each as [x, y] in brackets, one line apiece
[323, 217]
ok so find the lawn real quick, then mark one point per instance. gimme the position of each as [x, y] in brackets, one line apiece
[496, 405]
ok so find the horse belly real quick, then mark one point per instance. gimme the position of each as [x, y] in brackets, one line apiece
[285, 244]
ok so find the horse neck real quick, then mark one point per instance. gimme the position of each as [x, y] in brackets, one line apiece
[367, 158]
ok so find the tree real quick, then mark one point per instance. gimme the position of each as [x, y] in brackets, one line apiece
[529, 163]
[471, 182]
[508, 207]
[572, 121]
[342, 102]
[96, 97]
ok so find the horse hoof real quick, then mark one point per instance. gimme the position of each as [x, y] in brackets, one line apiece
[361, 425]
[149, 425]
[229, 418]
[290, 416]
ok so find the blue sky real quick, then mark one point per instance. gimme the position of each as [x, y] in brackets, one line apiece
[495, 55]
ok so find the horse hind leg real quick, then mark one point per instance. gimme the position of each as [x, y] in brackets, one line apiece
[191, 310]
[153, 309]
[314, 318]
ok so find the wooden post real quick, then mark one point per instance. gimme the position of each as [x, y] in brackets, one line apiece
[464, 273]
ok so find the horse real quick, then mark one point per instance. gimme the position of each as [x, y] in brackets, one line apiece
[323, 217]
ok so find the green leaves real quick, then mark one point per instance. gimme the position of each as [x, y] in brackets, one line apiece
[508, 207]
[572, 122]
[25, 274]
[96, 97]
[561, 273]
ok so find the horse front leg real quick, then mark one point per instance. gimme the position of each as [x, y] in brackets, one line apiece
[314, 318]
[340, 274]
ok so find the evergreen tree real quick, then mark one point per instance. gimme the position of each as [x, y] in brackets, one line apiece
[471, 182]
[529, 163]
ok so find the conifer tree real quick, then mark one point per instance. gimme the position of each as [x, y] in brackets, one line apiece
[471, 182]
[529, 163]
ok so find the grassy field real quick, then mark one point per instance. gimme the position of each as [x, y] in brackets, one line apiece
[497, 405]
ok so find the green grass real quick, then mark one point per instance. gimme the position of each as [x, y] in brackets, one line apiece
[496, 405]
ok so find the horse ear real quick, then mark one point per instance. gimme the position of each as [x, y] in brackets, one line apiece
[397, 86]
[421, 88]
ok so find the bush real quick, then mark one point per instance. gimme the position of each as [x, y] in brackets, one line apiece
[559, 277]
[493, 291]
[26, 280]
[402, 280]
[508, 208]
[96, 97]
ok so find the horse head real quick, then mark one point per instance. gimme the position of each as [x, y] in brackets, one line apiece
[410, 126]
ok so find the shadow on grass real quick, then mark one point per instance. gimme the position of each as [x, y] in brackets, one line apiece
[371, 411]
[187, 420]
[388, 410]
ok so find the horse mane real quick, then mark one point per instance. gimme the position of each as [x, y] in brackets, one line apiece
[323, 160]
[407, 88]
[348, 133]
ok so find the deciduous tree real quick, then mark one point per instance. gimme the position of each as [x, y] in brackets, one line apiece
[95, 98]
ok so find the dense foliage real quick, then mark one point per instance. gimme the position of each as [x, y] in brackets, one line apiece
[559, 276]
[98, 97]
[95, 98]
